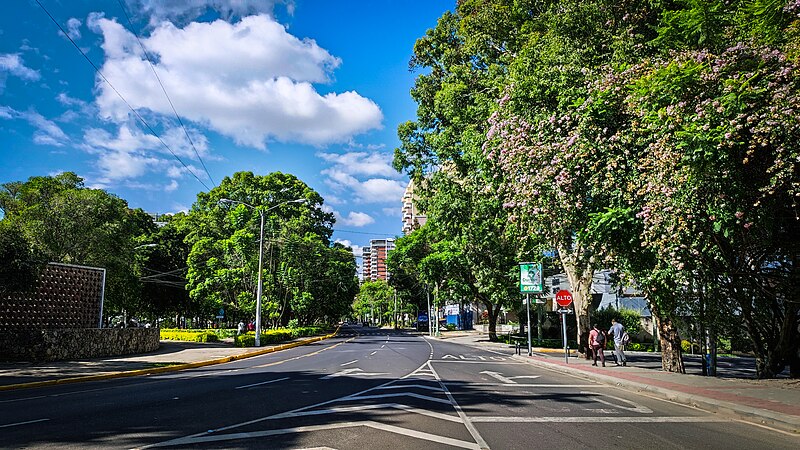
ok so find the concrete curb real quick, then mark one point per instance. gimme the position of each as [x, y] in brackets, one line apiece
[174, 368]
[741, 412]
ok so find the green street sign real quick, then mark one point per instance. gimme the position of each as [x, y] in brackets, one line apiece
[530, 278]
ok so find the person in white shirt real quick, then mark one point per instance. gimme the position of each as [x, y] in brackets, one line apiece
[617, 330]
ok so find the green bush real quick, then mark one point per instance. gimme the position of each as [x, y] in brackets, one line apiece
[451, 327]
[189, 335]
[629, 318]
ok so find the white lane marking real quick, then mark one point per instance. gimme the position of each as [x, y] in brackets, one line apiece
[521, 385]
[263, 382]
[418, 386]
[587, 419]
[384, 345]
[403, 394]
[636, 408]
[470, 427]
[23, 423]
[494, 363]
[507, 380]
[348, 363]
[373, 353]
[318, 412]
[472, 358]
[305, 408]
[355, 371]
[193, 440]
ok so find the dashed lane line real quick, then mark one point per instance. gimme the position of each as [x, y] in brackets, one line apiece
[23, 423]
[262, 383]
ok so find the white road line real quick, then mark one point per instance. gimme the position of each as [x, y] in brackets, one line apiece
[494, 363]
[517, 386]
[588, 419]
[348, 363]
[193, 440]
[346, 409]
[402, 394]
[636, 408]
[264, 382]
[23, 423]
[373, 353]
[470, 427]
[418, 386]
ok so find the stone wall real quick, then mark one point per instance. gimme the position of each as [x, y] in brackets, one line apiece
[72, 344]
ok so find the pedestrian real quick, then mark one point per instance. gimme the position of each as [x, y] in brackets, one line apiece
[240, 328]
[251, 326]
[618, 331]
[597, 341]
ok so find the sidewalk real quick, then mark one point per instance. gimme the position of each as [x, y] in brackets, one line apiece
[774, 403]
[171, 356]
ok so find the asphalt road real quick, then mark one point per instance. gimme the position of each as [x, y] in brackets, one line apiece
[366, 389]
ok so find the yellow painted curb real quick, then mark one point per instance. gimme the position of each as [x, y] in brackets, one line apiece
[175, 368]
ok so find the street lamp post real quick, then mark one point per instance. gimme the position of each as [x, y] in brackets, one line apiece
[262, 213]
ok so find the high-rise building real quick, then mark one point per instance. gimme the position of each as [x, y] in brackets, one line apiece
[374, 259]
[366, 263]
[412, 217]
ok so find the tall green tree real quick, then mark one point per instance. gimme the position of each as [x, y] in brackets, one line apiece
[224, 237]
[69, 223]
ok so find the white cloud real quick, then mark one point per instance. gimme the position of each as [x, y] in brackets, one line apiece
[358, 219]
[362, 163]
[12, 63]
[183, 11]
[354, 219]
[357, 249]
[374, 190]
[250, 80]
[73, 29]
[47, 132]
[393, 212]
[172, 186]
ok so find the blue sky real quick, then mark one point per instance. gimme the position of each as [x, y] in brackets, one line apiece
[312, 88]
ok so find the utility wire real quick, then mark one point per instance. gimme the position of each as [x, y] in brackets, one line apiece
[150, 60]
[141, 119]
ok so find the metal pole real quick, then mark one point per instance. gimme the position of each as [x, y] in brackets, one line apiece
[430, 328]
[395, 309]
[258, 293]
[564, 330]
[528, 311]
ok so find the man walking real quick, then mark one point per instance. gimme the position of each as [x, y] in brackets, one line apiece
[618, 331]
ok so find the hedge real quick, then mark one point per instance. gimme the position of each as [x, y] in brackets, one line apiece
[174, 334]
[275, 336]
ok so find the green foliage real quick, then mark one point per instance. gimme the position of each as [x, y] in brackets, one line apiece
[276, 336]
[188, 335]
[19, 264]
[63, 221]
[305, 277]
[629, 318]
[450, 327]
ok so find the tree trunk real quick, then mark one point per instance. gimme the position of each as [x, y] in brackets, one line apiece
[671, 353]
[786, 351]
[580, 280]
[494, 313]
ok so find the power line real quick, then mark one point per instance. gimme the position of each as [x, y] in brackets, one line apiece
[138, 116]
[153, 68]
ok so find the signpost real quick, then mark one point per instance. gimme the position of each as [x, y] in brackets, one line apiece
[564, 299]
[530, 282]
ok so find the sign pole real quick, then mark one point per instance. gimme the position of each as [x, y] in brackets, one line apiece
[564, 330]
[528, 310]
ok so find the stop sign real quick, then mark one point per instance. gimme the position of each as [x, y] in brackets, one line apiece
[563, 298]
